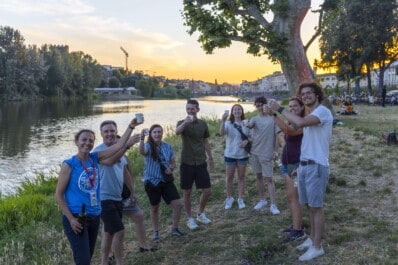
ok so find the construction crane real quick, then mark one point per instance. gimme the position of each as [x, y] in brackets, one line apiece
[127, 56]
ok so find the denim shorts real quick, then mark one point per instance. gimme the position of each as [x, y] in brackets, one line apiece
[312, 181]
[228, 161]
[286, 170]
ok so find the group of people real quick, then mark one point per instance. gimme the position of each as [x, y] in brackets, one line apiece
[94, 178]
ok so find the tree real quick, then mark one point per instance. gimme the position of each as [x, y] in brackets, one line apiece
[114, 82]
[357, 36]
[220, 22]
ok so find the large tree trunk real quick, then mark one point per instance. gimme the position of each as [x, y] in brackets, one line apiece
[295, 66]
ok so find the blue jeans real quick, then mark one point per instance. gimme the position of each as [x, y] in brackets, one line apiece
[82, 245]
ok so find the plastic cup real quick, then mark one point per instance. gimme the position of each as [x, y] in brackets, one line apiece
[190, 117]
[226, 112]
[146, 132]
[139, 117]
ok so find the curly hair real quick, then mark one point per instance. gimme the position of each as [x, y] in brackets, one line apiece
[317, 89]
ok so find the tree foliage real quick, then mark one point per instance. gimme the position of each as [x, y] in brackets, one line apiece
[359, 35]
[270, 28]
[28, 71]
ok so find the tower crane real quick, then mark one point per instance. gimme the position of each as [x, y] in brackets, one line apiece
[127, 56]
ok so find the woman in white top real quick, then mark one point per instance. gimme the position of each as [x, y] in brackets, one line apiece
[235, 155]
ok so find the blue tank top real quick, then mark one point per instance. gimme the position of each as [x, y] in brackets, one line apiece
[80, 186]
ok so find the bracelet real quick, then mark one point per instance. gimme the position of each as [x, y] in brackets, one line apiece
[274, 114]
[280, 109]
[131, 127]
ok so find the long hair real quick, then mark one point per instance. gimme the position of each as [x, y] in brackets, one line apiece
[152, 144]
[314, 87]
[232, 117]
[298, 100]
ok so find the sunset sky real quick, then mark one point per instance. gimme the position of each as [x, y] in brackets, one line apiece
[151, 31]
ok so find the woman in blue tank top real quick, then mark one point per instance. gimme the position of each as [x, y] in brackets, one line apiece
[78, 191]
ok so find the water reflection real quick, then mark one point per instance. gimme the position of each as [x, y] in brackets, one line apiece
[36, 137]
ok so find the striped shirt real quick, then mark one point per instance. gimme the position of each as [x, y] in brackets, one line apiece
[152, 170]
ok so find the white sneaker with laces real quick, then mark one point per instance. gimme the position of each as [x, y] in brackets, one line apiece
[312, 253]
[192, 224]
[274, 210]
[228, 203]
[260, 204]
[241, 203]
[305, 245]
[202, 218]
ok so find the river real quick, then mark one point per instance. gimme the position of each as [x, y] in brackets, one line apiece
[36, 137]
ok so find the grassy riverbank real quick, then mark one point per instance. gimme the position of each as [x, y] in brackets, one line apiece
[361, 211]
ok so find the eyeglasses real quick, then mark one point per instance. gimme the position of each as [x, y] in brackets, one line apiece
[306, 93]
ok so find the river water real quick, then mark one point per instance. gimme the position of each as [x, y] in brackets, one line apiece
[37, 137]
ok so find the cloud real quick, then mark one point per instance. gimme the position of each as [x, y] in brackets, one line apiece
[77, 24]
[47, 7]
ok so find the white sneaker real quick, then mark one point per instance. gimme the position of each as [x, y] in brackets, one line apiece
[203, 219]
[306, 244]
[241, 203]
[228, 203]
[274, 210]
[192, 224]
[260, 204]
[312, 253]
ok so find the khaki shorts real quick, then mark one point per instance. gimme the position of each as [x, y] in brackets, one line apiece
[262, 165]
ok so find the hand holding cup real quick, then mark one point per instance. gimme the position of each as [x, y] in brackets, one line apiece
[225, 115]
[273, 105]
[189, 119]
[139, 117]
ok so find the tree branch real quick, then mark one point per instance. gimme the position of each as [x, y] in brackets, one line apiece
[317, 32]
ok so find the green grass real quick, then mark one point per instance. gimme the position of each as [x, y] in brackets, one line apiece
[360, 210]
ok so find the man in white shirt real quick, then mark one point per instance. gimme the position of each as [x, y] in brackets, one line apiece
[314, 170]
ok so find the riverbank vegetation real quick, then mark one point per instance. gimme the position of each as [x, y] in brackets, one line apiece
[52, 71]
[361, 210]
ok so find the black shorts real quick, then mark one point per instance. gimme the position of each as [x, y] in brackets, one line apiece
[197, 174]
[166, 190]
[111, 215]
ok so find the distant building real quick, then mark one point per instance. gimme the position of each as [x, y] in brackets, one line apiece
[277, 81]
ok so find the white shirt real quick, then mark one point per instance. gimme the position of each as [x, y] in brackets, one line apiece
[316, 138]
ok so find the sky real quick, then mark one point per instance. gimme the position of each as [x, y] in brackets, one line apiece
[151, 31]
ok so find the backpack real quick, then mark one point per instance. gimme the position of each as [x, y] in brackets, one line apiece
[392, 138]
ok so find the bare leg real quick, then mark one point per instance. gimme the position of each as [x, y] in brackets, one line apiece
[229, 179]
[317, 225]
[241, 180]
[155, 217]
[295, 207]
[260, 185]
[204, 199]
[106, 244]
[187, 202]
[271, 189]
[139, 225]
[118, 247]
[176, 207]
